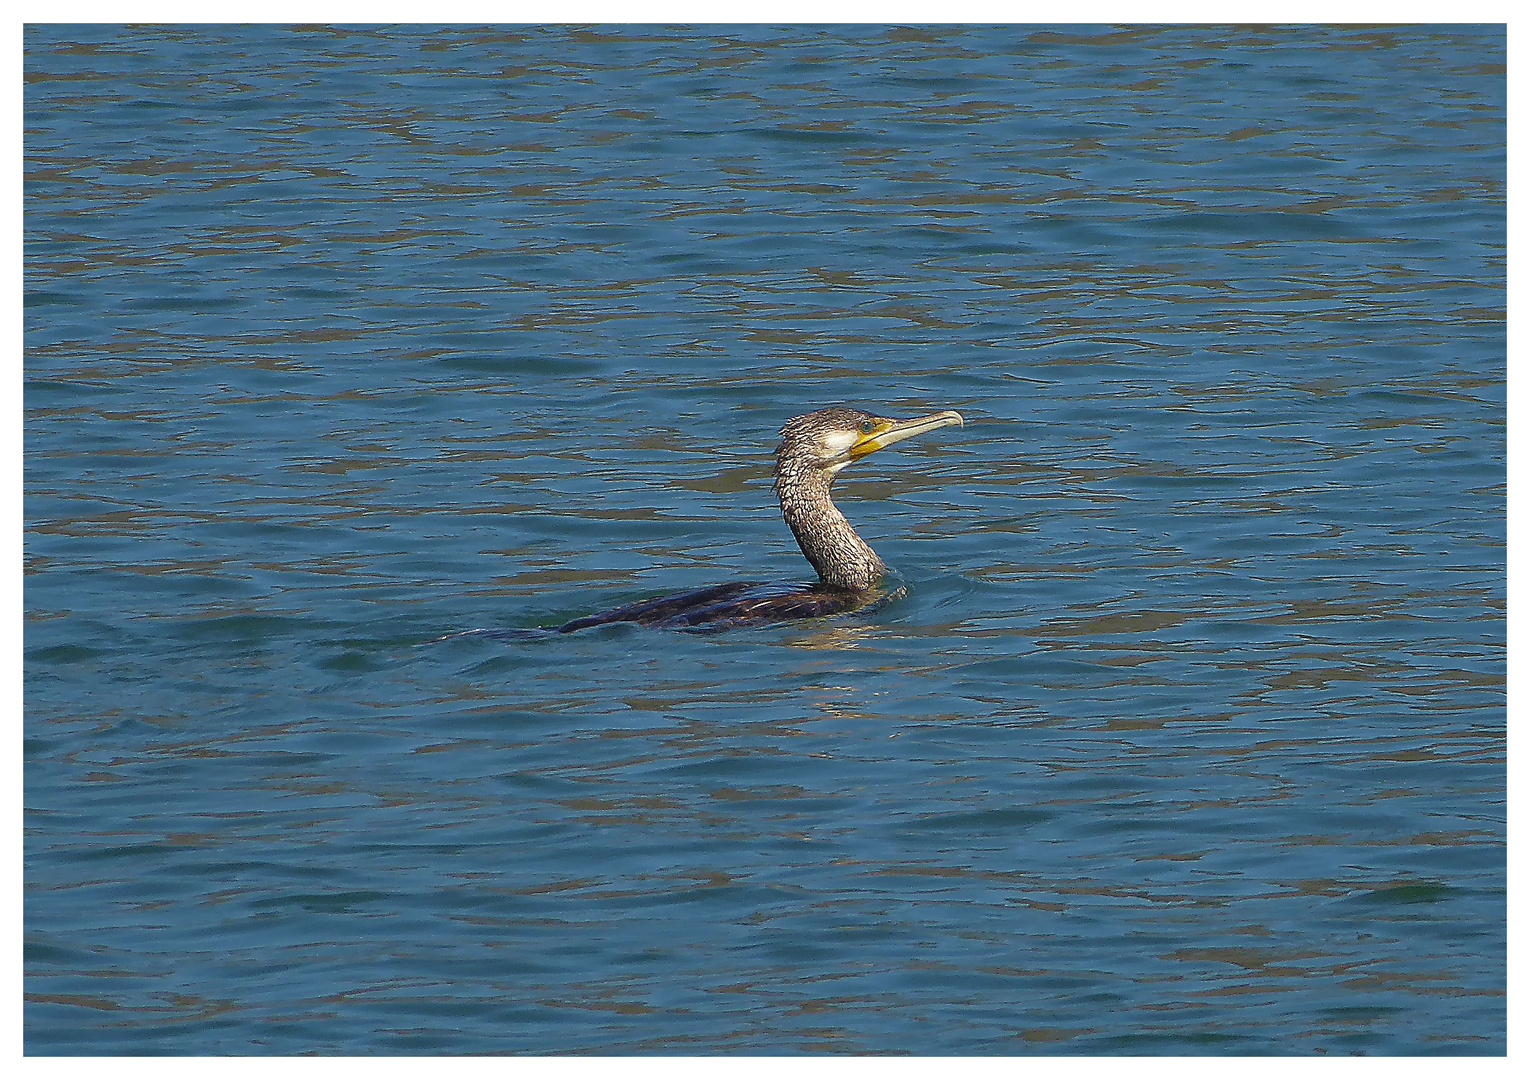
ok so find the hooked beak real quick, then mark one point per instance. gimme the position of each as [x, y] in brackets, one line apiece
[888, 432]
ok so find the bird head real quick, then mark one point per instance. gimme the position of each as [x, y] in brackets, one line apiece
[832, 438]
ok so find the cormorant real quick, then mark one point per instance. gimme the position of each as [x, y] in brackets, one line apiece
[813, 449]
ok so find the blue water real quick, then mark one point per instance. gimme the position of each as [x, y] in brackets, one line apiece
[1188, 737]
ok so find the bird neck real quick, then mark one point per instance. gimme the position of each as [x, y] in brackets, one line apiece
[843, 560]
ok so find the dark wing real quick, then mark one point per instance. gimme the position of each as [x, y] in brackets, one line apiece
[722, 607]
[660, 610]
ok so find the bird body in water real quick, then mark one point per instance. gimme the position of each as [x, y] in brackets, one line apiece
[813, 449]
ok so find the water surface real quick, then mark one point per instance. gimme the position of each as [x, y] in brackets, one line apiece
[1187, 738]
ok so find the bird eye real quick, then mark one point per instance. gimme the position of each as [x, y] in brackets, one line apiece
[867, 427]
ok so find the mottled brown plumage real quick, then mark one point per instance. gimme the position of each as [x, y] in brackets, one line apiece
[803, 477]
